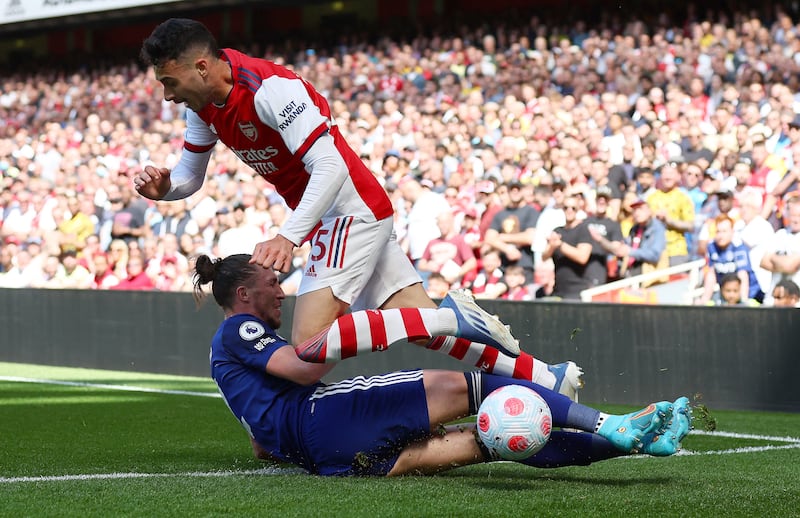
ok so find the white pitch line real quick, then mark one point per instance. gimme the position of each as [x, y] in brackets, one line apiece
[793, 442]
[736, 435]
[128, 388]
[746, 449]
[118, 476]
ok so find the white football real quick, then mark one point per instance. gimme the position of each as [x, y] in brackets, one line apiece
[514, 422]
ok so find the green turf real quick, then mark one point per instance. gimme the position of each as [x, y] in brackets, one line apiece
[193, 459]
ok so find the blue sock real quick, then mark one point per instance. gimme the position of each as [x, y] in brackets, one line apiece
[566, 413]
[572, 449]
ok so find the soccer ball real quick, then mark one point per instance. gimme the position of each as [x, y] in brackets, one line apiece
[514, 422]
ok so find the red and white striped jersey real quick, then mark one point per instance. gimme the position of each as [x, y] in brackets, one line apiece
[270, 120]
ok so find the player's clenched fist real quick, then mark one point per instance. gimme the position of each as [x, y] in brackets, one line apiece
[152, 182]
[275, 253]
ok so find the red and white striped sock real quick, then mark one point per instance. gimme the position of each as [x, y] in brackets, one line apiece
[489, 359]
[375, 330]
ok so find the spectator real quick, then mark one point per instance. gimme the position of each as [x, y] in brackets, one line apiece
[438, 286]
[488, 283]
[258, 214]
[782, 257]
[449, 254]
[20, 215]
[109, 208]
[129, 223]
[175, 220]
[490, 200]
[512, 231]
[710, 187]
[118, 253]
[739, 179]
[675, 210]
[692, 184]
[625, 216]
[514, 280]
[620, 176]
[22, 273]
[72, 274]
[543, 280]
[645, 182]
[570, 247]
[8, 251]
[90, 249]
[724, 257]
[550, 196]
[693, 146]
[766, 169]
[730, 292]
[165, 253]
[171, 277]
[137, 278]
[34, 247]
[724, 200]
[791, 143]
[602, 266]
[104, 277]
[52, 269]
[241, 237]
[755, 232]
[786, 294]
[644, 249]
[76, 228]
[773, 207]
[471, 232]
[425, 208]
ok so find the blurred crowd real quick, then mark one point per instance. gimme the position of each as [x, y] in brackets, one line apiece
[550, 158]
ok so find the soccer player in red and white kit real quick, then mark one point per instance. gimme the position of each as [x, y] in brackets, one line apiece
[279, 125]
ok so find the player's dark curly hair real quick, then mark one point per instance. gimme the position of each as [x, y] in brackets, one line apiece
[172, 38]
[225, 275]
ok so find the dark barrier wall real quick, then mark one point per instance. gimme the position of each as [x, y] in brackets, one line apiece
[738, 358]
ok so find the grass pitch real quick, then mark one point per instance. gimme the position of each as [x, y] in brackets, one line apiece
[84, 443]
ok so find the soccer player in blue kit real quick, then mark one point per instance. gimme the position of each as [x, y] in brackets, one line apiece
[396, 423]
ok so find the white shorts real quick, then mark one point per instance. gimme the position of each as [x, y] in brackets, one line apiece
[359, 260]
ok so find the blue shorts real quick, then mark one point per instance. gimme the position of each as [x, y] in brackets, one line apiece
[360, 425]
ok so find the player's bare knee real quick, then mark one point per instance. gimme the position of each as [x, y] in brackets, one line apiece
[446, 393]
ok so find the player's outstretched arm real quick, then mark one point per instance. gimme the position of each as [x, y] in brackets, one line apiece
[185, 179]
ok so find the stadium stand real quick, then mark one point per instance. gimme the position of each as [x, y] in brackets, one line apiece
[465, 109]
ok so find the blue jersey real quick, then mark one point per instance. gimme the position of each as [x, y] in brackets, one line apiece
[267, 406]
[357, 426]
[731, 259]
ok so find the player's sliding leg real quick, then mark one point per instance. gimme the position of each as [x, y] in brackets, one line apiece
[573, 449]
[669, 442]
[475, 324]
[627, 433]
[456, 331]
[460, 445]
[564, 378]
[375, 330]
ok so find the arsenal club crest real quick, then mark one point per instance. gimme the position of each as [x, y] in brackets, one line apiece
[249, 130]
